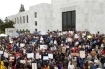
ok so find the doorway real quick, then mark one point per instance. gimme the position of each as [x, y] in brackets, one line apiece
[68, 20]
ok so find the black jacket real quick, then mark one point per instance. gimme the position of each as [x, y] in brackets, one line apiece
[102, 59]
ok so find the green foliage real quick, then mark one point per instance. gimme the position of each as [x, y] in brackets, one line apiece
[4, 25]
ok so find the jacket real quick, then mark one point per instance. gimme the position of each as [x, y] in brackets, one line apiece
[93, 53]
[2, 65]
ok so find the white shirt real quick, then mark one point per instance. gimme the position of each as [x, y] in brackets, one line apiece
[55, 42]
[71, 67]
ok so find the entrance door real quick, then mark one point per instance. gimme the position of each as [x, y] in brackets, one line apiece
[68, 20]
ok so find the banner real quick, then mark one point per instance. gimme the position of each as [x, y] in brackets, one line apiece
[82, 54]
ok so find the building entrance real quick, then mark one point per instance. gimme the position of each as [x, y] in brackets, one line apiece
[69, 20]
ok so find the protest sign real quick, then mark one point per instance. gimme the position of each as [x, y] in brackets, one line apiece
[89, 36]
[63, 49]
[43, 47]
[1, 52]
[22, 61]
[82, 54]
[76, 36]
[38, 56]
[22, 44]
[5, 55]
[45, 58]
[12, 58]
[50, 56]
[34, 65]
[30, 55]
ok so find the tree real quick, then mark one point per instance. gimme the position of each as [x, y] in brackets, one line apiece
[4, 25]
[1, 23]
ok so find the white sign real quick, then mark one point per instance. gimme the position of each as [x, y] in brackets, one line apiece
[1, 52]
[43, 47]
[22, 61]
[22, 44]
[43, 33]
[11, 58]
[38, 56]
[76, 36]
[34, 65]
[11, 41]
[82, 54]
[30, 55]
[45, 58]
[50, 56]
[5, 55]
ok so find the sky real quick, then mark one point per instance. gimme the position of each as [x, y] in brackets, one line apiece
[11, 7]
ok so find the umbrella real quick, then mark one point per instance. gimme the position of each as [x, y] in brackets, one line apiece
[3, 35]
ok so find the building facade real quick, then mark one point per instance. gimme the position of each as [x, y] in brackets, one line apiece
[63, 15]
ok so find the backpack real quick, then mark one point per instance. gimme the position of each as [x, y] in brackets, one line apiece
[103, 52]
[91, 66]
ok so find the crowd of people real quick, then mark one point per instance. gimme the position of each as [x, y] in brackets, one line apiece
[64, 46]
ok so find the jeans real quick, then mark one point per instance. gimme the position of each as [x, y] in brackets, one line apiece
[102, 65]
[81, 68]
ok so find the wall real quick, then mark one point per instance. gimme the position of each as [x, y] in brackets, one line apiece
[90, 14]
[43, 17]
[20, 26]
[11, 32]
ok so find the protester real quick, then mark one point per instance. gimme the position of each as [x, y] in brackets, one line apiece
[53, 50]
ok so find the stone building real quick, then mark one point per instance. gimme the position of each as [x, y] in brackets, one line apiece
[63, 15]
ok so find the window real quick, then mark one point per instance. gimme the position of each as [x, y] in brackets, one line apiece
[27, 18]
[20, 20]
[35, 30]
[35, 14]
[15, 20]
[35, 23]
[23, 19]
